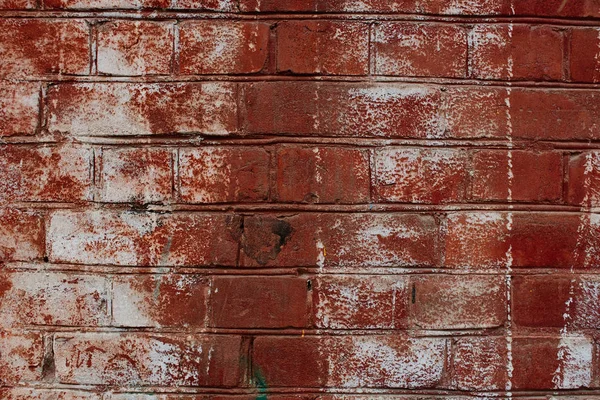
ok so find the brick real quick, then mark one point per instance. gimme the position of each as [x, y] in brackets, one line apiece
[505, 52]
[322, 175]
[555, 114]
[541, 301]
[212, 5]
[540, 240]
[138, 109]
[559, 301]
[22, 356]
[44, 298]
[259, 302]
[360, 302]
[339, 240]
[480, 363]
[171, 300]
[223, 174]
[584, 179]
[356, 109]
[107, 4]
[421, 175]
[19, 108]
[135, 48]
[35, 47]
[552, 363]
[21, 235]
[323, 47]
[530, 177]
[133, 238]
[133, 359]
[222, 47]
[139, 175]
[584, 55]
[17, 4]
[471, 112]
[45, 173]
[410, 49]
[350, 361]
[458, 302]
[476, 240]
[581, 8]
[47, 394]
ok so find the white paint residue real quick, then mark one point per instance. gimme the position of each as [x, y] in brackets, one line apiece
[320, 255]
[563, 374]
[163, 357]
[575, 356]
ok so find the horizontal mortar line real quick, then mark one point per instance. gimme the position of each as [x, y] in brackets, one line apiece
[261, 78]
[293, 390]
[201, 140]
[162, 14]
[291, 208]
[309, 272]
[405, 333]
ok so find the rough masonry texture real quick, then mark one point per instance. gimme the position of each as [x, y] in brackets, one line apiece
[299, 199]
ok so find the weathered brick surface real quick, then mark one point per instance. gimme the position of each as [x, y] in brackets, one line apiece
[299, 199]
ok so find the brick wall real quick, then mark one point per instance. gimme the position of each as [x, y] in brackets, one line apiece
[299, 199]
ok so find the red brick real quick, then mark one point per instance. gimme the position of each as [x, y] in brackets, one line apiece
[138, 109]
[213, 5]
[584, 179]
[412, 175]
[506, 52]
[557, 240]
[135, 48]
[472, 112]
[17, 4]
[533, 177]
[322, 175]
[337, 109]
[222, 47]
[360, 302]
[350, 361]
[412, 49]
[480, 363]
[476, 240]
[45, 173]
[563, 301]
[160, 300]
[107, 4]
[259, 302]
[540, 301]
[22, 356]
[223, 174]
[339, 240]
[33, 47]
[584, 55]
[134, 238]
[133, 359]
[323, 47]
[552, 363]
[47, 394]
[19, 108]
[21, 235]
[580, 8]
[555, 114]
[44, 298]
[458, 302]
[140, 175]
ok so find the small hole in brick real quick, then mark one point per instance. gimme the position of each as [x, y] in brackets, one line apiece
[45, 258]
[309, 284]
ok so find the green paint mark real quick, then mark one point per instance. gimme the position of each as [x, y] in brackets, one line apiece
[261, 384]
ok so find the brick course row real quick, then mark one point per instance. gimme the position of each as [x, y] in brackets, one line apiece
[329, 47]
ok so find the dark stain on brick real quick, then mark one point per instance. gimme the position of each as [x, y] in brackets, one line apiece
[264, 237]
